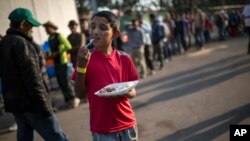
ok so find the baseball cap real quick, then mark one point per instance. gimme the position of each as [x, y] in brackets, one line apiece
[50, 24]
[20, 14]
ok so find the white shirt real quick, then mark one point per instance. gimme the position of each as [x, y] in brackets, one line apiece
[147, 31]
[246, 13]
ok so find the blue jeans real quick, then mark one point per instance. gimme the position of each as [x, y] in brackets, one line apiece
[222, 33]
[130, 134]
[48, 128]
[199, 37]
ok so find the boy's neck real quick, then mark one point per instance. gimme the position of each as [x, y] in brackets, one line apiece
[107, 50]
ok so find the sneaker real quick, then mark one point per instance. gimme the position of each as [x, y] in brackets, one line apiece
[13, 127]
[75, 102]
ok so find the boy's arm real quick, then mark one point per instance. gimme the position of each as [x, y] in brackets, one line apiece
[79, 86]
[83, 58]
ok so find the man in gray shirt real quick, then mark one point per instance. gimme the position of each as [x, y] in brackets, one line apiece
[136, 43]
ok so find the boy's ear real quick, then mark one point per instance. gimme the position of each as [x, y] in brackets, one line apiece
[117, 34]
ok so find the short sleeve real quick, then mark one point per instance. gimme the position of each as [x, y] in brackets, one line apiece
[132, 72]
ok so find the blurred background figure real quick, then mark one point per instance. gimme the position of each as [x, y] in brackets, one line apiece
[207, 29]
[59, 46]
[135, 42]
[233, 23]
[171, 47]
[199, 24]
[76, 40]
[181, 32]
[157, 37]
[222, 24]
[148, 48]
[246, 13]
[84, 25]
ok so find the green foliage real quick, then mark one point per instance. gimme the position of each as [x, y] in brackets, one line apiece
[82, 6]
[103, 3]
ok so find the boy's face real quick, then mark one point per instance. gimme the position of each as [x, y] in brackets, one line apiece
[101, 31]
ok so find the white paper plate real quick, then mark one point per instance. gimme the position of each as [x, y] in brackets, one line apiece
[117, 88]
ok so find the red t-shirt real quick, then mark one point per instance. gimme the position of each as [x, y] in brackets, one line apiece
[109, 114]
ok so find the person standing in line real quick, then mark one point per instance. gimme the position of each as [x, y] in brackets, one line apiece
[168, 20]
[76, 40]
[59, 46]
[111, 118]
[136, 43]
[199, 24]
[157, 36]
[24, 89]
[148, 49]
[208, 28]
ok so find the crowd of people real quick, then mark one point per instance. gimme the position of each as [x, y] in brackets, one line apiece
[144, 49]
[152, 44]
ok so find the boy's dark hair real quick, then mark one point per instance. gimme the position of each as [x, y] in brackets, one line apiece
[112, 18]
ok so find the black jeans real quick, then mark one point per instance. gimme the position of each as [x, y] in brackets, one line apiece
[148, 52]
[158, 53]
[199, 37]
[64, 82]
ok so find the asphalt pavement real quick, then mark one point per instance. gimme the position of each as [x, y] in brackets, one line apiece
[196, 97]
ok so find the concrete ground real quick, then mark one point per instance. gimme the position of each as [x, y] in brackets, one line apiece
[194, 98]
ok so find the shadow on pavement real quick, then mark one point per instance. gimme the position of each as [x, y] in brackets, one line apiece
[181, 74]
[196, 82]
[219, 125]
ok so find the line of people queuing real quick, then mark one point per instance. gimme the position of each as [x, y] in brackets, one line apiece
[229, 24]
[151, 44]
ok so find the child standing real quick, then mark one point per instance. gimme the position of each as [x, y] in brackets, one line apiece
[111, 118]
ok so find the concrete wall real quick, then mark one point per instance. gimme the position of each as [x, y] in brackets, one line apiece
[57, 11]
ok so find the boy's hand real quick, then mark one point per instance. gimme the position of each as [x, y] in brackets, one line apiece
[130, 94]
[83, 57]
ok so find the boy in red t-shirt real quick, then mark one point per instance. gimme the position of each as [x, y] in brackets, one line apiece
[111, 118]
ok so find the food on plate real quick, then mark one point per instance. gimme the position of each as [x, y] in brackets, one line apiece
[115, 88]
[108, 89]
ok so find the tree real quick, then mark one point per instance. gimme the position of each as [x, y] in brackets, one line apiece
[82, 6]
